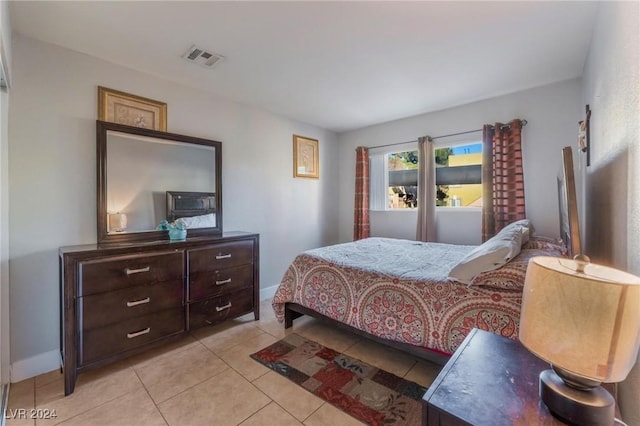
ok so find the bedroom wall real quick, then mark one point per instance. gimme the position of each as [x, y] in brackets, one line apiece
[5, 63]
[52, 162]
[552, 113]
[611, 86]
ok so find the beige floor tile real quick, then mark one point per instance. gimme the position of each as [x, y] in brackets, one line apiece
[326, 335]
[46, 378]
[266, 310]
[134, 409]
[381, 356]
[328, 415]
[22, 394]
[169, 375]
[226, 335]
[19, 417]
[294, 399]
[168, 349]
[274, 328]
[271, 415]
[423, 373]
[21, 402]
[226, 399]
[92, 389]
[238, 356]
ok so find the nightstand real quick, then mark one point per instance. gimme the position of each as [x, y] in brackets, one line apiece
[489, 380]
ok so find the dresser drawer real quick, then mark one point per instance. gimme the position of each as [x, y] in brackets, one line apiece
[221, 281]
[220, 256]
[218, 309]
[98, 276]
[99, 310]
[103, 342]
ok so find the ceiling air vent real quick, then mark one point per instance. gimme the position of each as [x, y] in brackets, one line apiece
[202, 57]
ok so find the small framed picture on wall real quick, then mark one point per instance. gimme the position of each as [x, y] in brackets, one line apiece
[306, 157]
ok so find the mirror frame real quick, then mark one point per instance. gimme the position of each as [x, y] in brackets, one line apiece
[102, 128]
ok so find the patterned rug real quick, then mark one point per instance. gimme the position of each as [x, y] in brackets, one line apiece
[369, 394]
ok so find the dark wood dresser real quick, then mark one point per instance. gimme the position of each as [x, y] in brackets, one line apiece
[119, 300]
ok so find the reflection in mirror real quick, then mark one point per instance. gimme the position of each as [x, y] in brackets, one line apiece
[140, 174]
[140, 171]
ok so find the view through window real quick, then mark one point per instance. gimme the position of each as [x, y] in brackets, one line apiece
[403, 180]
[458, 177]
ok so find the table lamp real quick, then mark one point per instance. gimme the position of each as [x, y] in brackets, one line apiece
[583, 319]
[117, 222]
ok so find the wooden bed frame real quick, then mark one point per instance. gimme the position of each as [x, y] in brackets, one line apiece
[294, 310]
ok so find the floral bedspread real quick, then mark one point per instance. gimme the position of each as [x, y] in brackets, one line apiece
[398, 290]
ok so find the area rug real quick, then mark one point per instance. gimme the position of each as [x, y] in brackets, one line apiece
[368, 393]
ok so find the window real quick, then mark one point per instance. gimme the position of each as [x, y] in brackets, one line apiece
[403, 180]
[459, 175]
[394, 177]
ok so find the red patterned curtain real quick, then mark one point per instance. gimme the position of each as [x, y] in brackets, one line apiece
[361, 206]
[502, 177]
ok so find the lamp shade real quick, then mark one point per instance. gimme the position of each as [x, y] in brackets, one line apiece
[583, 318]
[117, 222]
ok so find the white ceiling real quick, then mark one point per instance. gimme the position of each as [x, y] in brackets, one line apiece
[338, 65]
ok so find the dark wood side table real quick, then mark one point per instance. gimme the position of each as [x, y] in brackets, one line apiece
[489, 380]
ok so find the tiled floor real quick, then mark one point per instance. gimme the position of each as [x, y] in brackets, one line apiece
[207, 378]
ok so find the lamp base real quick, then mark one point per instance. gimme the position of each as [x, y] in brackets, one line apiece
[593, 406]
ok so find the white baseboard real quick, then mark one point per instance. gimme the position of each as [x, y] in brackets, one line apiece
[268, 293]
[34, 366]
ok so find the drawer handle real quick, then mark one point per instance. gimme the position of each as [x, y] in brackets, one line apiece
[223, 256]
[138, 333]
[221, 282]
[138, 302]
[222, 308]
[137, 271]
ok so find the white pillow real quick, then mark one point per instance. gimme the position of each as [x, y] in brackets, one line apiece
[202, 221]
[524, 224]
[488, 256]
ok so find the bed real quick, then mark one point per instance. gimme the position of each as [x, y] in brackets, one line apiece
[398, 292]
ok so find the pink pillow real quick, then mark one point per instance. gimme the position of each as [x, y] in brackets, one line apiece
[511, 275]
[545, 243]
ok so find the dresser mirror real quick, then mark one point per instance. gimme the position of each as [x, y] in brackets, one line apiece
[148, 176]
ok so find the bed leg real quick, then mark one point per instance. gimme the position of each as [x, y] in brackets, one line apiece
[289, 316]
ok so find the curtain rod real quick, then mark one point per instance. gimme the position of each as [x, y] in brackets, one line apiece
[524, 123]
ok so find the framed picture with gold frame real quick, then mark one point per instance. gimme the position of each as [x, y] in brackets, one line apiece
[124, 108]
[306, 157]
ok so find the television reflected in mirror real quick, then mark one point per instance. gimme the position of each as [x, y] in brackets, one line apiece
[140, 171]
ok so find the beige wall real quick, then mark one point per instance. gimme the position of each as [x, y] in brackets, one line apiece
[611, 209]
[5, 63]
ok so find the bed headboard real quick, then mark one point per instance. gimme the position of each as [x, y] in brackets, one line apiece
[568, 203]
[186, 204]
